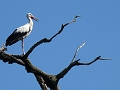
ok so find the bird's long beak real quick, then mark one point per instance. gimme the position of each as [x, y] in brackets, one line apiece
[34, 18]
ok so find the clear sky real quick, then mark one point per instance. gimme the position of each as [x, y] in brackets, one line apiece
[99, 27]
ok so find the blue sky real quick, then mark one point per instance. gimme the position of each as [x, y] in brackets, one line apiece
[99, 27]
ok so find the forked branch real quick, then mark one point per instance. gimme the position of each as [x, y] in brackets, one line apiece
[45, 40]
[77, 63]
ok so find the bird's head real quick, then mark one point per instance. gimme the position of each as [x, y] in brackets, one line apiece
[32, 17]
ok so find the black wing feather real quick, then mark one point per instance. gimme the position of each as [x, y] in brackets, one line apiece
[14, 37]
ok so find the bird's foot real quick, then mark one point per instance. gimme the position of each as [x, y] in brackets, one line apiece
[3, 48]
[23, 54]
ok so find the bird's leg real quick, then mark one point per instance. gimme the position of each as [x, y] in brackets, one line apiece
[23, 47]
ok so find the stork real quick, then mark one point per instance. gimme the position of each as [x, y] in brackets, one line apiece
[21, 32]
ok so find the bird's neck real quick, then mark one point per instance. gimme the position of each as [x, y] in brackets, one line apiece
[30, 21]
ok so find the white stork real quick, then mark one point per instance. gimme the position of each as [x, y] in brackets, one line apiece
[21, 32]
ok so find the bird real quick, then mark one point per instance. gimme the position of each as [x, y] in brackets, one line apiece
[21, 32]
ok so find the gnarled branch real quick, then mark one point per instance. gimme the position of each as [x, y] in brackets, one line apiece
[77, 63]
[45, 40]
[45, 80]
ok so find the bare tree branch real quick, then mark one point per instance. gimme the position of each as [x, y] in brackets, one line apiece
[48, 80]
[45, 40]
[41, 82]
[44, 80]
[104, 59]
[75, 63]
[97, 58]
[77, 51]
[10, 58]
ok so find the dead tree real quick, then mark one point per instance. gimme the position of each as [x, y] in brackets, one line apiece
[44, 80]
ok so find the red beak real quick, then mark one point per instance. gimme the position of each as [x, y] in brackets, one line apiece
[34, 18]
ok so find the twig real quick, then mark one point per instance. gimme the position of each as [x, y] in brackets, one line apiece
[97, 58]
[104, 59]
[77, 51]
[76, 18]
